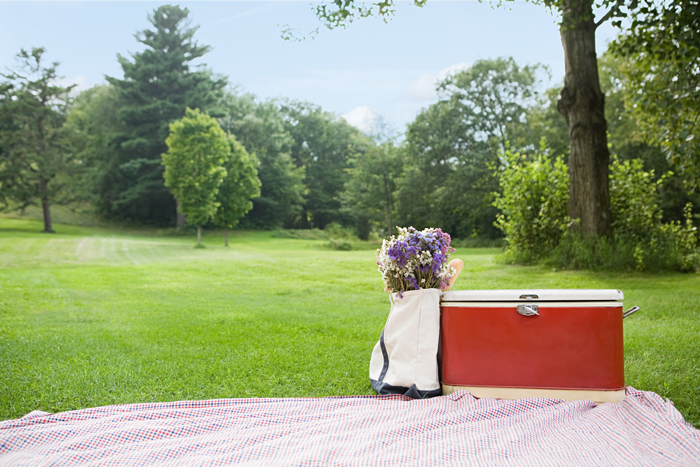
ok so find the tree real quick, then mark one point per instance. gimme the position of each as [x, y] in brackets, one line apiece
[34, 154]
[662, 50]
[259, 127]
[157, 87]
[581, 101]
[629, 138]
[544, 122]
[238, 187]
[89, 127]
[453, 147]
[197, 150]
[371, 189]
[492, 97]
[322, 144]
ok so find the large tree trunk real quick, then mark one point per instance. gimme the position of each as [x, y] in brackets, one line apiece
[583, 106]
[45, 206]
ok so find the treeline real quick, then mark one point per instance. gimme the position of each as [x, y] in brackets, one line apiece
[105, 145]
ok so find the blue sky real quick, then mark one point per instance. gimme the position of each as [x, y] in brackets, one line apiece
[370, 69]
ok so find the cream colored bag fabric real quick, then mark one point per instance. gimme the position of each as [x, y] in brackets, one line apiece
[405, 360]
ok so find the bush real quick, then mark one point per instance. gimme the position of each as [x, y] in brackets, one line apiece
[337, 231]
[478, 242]
[533, 204]
[342, 245]
[331, 231]
[534, 219]
[301, 234]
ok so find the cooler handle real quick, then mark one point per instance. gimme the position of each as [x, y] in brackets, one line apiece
[630, 312]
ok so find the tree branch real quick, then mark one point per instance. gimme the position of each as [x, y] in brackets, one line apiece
[615, 8]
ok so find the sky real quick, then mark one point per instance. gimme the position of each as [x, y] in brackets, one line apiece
[371, 73]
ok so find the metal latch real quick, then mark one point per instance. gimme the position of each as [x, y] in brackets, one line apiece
[528, 310]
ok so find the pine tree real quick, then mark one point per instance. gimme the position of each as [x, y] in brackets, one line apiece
[158, 85]
[34, 154]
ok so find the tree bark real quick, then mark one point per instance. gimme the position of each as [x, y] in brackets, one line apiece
[199, 235]
[583, 106]
[46, 207]
[225, 237]
[181, 220]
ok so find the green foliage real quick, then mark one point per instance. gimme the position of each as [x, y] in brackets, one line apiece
[637, 221]
[478, 242]
[259, 126]
[370, 191]
[157, 87]
[239, 186]
[90, 123]
[544, 122]
[322, 144]
[452, 148]
[492, 98]
[534, 204]
[336, 231]
[333, 231]
[301, 234]
[662, 46]
[534, 218]
[197, 150]
[629, 140]
[340, 245]
[35, 158]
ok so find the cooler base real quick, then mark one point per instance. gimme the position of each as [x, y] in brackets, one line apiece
[523, 393]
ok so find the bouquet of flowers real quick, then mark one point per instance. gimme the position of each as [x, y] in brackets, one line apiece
[415, 260]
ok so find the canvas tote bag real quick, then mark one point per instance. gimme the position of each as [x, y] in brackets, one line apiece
[405, 360]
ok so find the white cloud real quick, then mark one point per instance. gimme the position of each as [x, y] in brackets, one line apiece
[423, 88]
[365, 119]
[80, 82]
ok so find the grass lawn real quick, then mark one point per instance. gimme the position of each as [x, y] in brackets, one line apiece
[91, 317]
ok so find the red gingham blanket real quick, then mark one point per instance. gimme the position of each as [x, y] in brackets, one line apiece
[364, 430]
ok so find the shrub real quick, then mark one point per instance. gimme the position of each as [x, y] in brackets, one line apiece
[301, 234]
[342, 245]
[478, 242]
[533, 204]
[337, 231]
[534, 219]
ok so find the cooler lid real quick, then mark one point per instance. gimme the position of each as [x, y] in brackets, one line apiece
[535, 295]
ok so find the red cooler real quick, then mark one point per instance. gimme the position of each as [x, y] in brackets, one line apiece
[511, 344]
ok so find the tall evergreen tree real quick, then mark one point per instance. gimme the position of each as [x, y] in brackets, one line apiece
[158, 85]
[34, 154]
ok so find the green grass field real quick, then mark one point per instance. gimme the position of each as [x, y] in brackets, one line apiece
[91, 317]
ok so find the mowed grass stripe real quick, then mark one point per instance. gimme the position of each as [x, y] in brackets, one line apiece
[81, 325]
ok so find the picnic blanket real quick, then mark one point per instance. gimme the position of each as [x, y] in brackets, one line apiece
[457, 429]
